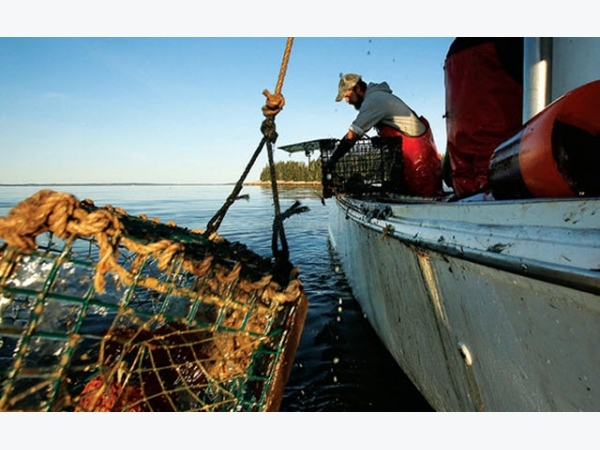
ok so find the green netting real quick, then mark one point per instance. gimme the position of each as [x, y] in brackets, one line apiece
[128, 314]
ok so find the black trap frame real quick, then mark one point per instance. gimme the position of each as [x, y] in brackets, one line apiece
[374, 165]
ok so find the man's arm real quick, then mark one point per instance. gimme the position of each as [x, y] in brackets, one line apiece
[346, 143]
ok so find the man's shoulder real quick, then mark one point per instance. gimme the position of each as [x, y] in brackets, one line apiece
[377, 91]
[379, 87]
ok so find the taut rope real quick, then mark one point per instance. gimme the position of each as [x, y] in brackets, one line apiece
[274, 104]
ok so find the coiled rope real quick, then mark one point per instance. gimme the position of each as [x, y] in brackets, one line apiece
[274, 104]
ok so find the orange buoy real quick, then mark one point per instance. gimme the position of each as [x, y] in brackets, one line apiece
[555, 154]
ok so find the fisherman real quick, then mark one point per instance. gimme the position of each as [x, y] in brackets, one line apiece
[378, 107]
[484, 105]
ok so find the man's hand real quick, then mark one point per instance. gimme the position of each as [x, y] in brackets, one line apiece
[328, 168]
[342, 148]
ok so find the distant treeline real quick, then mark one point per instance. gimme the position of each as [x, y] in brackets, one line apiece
[294, 171]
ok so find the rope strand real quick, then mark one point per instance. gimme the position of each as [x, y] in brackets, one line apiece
[283, 70]
[273, 106]
[283, 269]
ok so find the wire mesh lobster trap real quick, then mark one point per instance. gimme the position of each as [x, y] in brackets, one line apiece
[103, 311]
[373, 165]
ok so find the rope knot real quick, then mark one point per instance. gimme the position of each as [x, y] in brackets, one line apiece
[275, 103]
[268, 129]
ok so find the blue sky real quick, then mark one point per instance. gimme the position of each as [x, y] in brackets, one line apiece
[160, 103]
[187, 109]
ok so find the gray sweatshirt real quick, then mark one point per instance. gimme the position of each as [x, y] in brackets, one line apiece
[381, 107]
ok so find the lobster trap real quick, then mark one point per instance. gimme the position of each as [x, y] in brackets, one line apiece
[372, 166]
[104, 311]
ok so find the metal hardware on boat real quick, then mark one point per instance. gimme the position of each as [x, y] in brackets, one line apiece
[387, 231]
[465, 353]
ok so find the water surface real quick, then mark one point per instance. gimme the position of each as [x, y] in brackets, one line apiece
[340, 363]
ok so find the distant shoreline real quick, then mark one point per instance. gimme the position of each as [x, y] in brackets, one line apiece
[115, 184]
[284, 183]
[250, 183]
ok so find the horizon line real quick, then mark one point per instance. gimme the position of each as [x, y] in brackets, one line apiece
[118, 184]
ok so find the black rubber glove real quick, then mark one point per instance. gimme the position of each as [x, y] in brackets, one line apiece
[343, 147]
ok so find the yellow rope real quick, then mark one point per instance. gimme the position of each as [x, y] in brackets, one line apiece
[276, 102]
[286, 58]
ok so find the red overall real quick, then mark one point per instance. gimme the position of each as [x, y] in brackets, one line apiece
[483, 109]
[422, 163]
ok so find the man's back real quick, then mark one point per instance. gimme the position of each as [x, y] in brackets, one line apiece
[381, 107]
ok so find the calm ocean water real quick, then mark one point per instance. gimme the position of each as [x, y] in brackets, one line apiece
[340, 363]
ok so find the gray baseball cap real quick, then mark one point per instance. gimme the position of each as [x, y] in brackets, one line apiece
[347, 81]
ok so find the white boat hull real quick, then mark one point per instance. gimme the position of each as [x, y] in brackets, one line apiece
[486, 306]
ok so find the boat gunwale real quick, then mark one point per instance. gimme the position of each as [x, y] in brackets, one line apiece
[586, 280]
